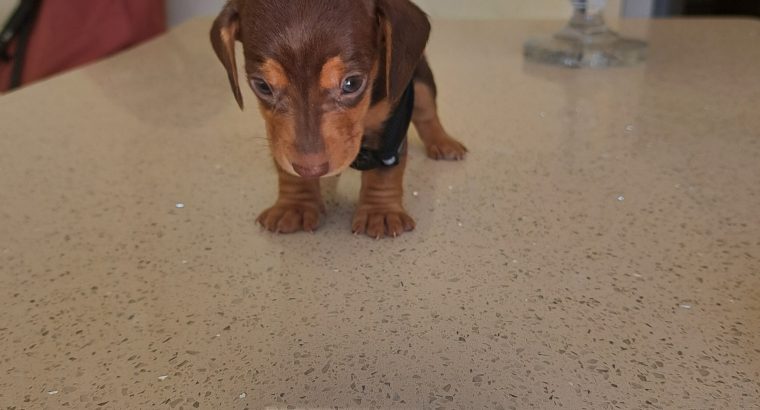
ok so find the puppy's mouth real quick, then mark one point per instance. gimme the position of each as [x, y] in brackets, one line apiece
[315, 170]
[323, 170]
[311, 171]
[321, 165]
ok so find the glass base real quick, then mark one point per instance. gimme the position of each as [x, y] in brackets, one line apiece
[600, 49]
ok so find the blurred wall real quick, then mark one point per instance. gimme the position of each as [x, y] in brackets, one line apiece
[180, 10]
[489, 9]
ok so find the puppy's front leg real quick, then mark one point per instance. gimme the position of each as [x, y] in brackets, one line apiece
[298, 207]
[381, 211]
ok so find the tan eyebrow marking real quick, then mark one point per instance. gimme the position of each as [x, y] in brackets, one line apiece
[274, 74]
[332, 73]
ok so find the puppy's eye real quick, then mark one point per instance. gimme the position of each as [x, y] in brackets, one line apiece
[261, 87]
[352, 84]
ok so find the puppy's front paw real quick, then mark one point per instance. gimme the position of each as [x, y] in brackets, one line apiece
[446, 148]
[290, 218]
[378, 223]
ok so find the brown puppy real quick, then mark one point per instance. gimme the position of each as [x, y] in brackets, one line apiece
[328, 75]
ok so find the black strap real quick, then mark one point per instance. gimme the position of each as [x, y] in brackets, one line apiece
[18, 27]
[393, 138]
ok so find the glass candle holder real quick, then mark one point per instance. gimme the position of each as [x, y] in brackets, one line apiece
[586, 41]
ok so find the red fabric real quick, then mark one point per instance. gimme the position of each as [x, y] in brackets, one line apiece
[69, 33]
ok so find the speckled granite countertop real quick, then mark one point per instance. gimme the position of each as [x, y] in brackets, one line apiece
[600, 248]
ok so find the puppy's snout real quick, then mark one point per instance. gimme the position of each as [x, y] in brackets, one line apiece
[312, 171]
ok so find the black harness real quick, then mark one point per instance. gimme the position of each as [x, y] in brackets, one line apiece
[19, 28]
[394, 136]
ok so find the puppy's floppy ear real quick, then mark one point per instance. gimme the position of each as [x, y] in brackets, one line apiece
[405, 29]
[224, 33]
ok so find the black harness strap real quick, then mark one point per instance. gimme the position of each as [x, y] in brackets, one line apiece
[18, 27]
[394, 136]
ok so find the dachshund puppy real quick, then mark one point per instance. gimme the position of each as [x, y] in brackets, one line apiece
[338, 82]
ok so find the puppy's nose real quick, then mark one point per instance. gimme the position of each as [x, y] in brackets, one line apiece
[312, 171]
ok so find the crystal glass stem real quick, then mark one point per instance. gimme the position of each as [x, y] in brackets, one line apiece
[586, 41]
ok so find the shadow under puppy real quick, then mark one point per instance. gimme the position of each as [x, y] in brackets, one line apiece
[338, 82]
